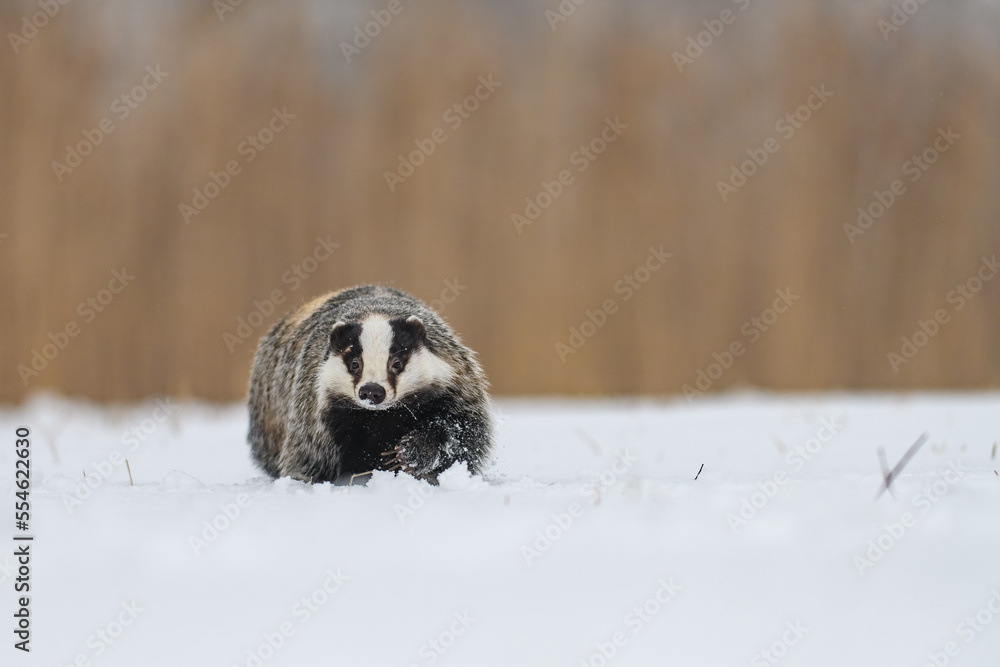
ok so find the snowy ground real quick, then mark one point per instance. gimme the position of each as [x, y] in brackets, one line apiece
[591, 539]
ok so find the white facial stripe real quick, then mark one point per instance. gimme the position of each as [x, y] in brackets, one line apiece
[376, 338]
[333, 378]
[422, 370]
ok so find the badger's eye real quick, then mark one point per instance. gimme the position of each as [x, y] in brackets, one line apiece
[355, 364]
[397, 365]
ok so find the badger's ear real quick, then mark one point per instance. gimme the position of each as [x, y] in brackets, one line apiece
[416, 328]
[342, 335]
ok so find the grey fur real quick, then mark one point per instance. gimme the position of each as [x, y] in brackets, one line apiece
[290, 433]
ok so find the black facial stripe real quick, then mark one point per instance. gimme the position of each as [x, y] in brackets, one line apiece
[405, 340]
[402, 356]
[351, 355]
[403, 336]
[345, 335]
[345, 342]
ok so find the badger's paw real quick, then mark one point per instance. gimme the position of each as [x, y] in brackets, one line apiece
[415, 457]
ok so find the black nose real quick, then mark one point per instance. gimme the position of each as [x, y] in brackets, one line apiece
[372, 392]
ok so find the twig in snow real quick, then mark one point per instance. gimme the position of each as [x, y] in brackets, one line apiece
[358, 474]
[894, 473]
[699, 471]
[884, 464]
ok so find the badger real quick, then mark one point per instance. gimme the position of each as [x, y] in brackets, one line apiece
[367, 378]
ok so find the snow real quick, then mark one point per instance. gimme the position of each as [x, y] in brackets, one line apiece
[643, 563]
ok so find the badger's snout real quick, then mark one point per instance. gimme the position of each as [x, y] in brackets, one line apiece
[371, 392]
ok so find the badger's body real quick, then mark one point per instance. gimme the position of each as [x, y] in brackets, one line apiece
[364, 379]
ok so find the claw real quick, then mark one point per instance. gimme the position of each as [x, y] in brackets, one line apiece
[393, 459]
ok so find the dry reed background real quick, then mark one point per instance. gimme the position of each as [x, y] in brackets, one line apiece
[323, 175]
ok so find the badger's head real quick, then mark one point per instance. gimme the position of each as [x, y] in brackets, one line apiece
[379, 361]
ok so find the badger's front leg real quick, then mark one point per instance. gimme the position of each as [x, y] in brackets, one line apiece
[298, 467]
[305, 461]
